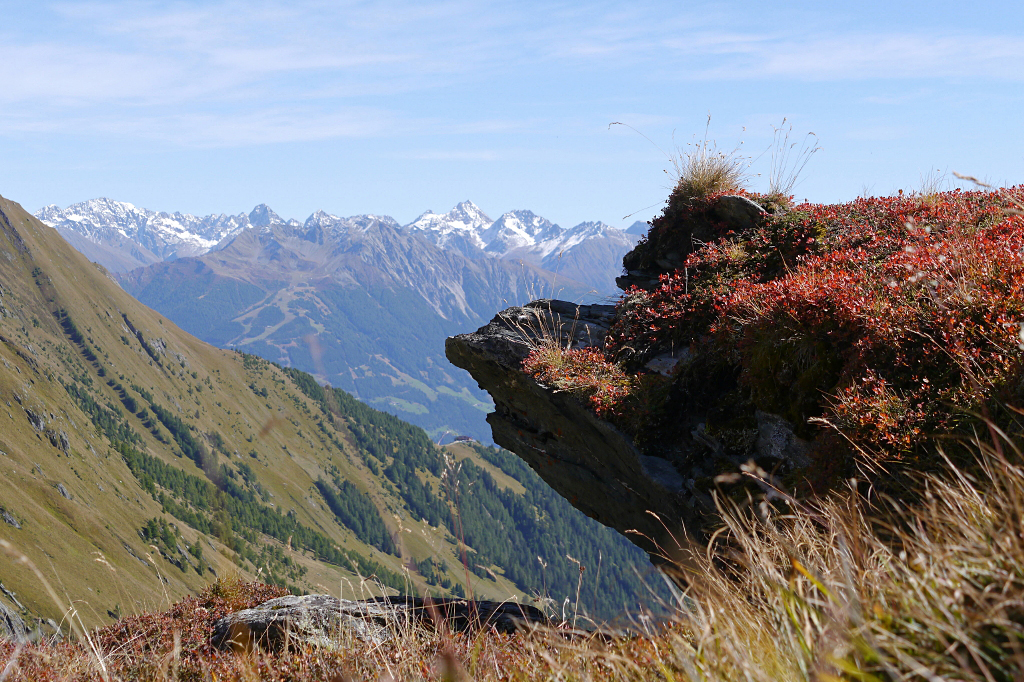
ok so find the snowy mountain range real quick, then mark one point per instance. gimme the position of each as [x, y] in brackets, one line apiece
[123, 237]
[361, 301]
[590, 252]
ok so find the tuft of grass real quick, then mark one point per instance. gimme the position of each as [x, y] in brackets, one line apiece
[789, 158]
[702, 170]
[932, 184]
[864, 588]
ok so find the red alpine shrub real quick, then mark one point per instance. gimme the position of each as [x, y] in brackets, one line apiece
[583, 371]
[892, 318]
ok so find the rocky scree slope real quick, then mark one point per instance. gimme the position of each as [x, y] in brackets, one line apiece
[795, 346]
[140, 463]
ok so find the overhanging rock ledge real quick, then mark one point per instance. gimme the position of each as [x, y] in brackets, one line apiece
[584, 458]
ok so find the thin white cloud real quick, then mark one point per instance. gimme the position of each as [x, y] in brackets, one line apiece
[237, 73]
[190, 129]
[445, 155]
[845, 57]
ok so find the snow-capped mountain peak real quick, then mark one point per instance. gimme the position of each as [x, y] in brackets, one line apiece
[264, 216]
[368, 220]
[466, 216]
[100, 215]
[320, 219]
[361, 223]
[469, 214]
[588, 230]
[518, 230]
[459, 229]
[123, 237]
[105, 227]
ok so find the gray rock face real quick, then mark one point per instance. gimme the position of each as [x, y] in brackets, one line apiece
[9, 518]
[655, 497]
[584, 458]
[59, 439]
[12, 627]
[13, 597]
[738, 212]
[37, 421]
[326, 621]
[776, 440]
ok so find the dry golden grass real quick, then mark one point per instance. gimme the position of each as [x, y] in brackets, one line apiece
[703, 169]
[857, 587]
[788, 158]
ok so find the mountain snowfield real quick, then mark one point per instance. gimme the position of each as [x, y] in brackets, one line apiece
[123, 237]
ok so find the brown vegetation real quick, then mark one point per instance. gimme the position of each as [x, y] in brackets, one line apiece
[854, 587]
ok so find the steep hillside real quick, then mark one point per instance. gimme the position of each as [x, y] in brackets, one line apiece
[358, 302]
[139, 463]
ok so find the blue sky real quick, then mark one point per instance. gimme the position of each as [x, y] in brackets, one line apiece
[397, 107]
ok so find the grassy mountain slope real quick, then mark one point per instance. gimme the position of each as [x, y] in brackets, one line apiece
[140, 463]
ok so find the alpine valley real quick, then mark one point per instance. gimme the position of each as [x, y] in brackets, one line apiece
[140, 463]
[362, 302]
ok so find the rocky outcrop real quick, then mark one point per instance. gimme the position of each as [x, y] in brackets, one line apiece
[326, 621]
[657, 495]
[9, 518]
[656, 483]
[12, 627]
[37, 421]
[584, 458]
[59, 439]
[667, 246]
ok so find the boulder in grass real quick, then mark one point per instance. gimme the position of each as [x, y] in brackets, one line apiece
[12, 627]
[326, 621]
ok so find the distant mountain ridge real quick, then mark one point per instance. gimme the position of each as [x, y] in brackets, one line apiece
[122, 237]
[360, 302]
[156, 236]
[589, 252]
